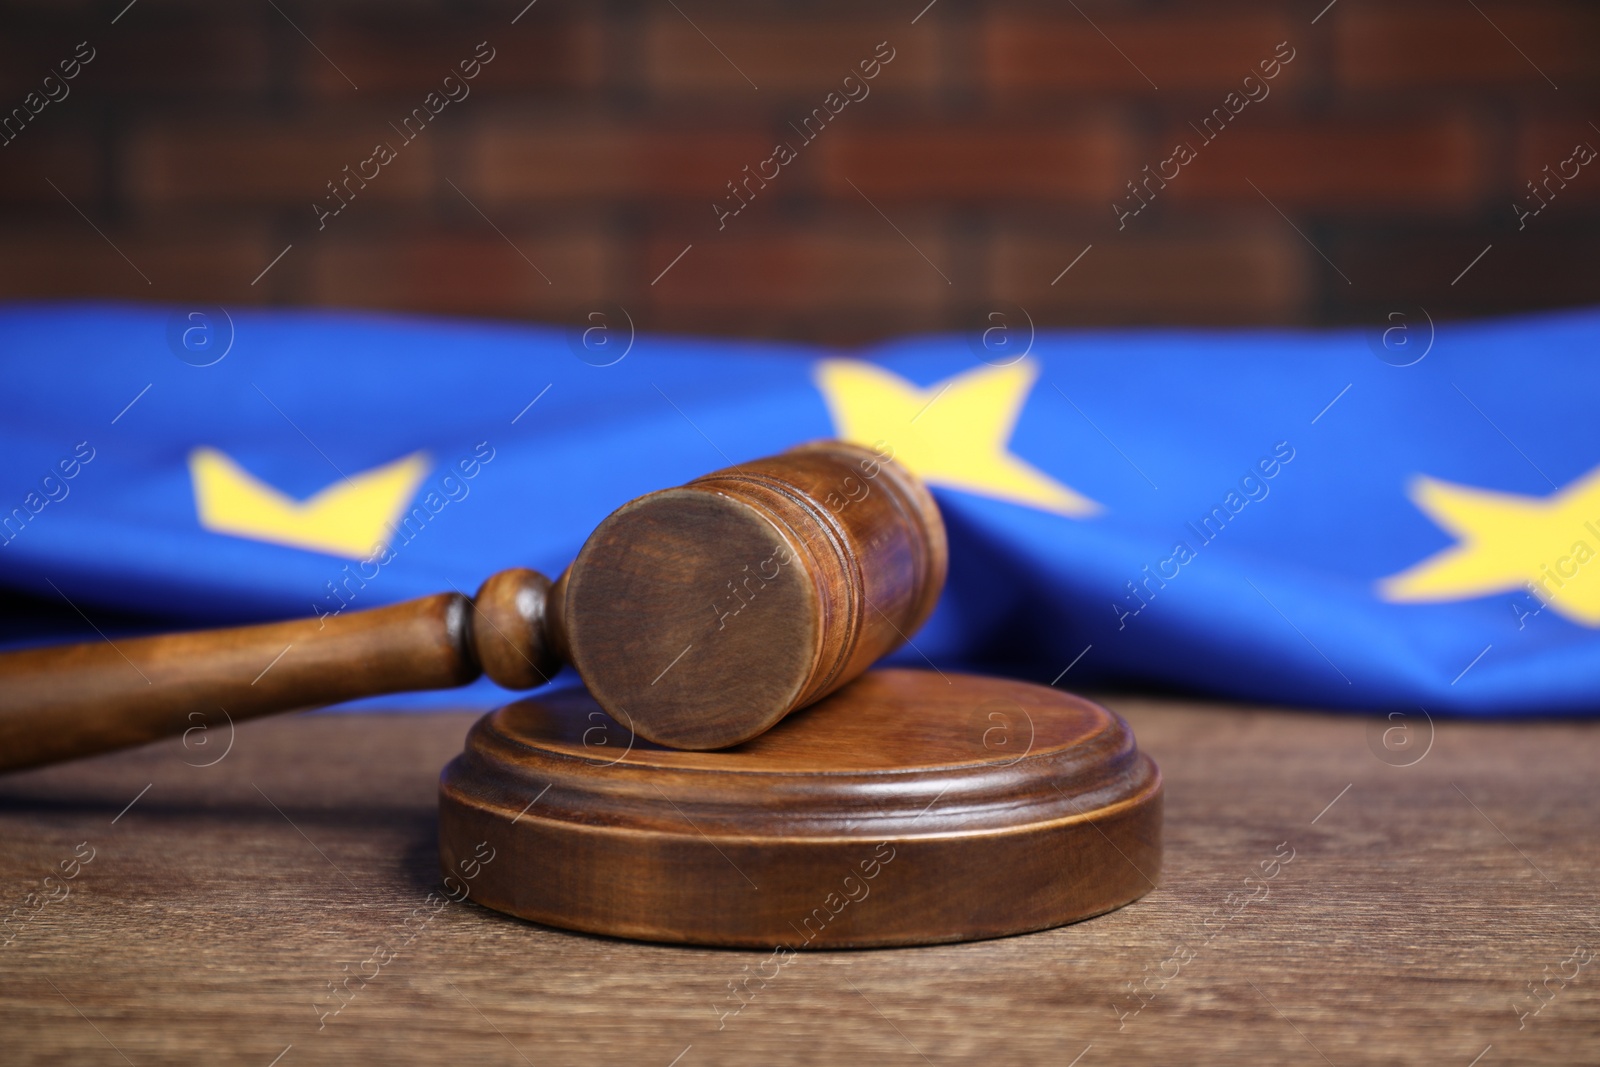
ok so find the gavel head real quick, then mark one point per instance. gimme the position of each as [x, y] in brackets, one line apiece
[700, 616]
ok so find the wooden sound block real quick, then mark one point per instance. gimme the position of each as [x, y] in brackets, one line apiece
[908, 808]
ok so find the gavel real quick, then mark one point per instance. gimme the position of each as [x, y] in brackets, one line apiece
[697, 616]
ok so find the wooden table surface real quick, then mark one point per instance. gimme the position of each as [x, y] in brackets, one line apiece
[1442, 912]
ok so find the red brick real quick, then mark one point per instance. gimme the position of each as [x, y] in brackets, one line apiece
[621, 126]
[1449, 45]
[845, 262]
[1543, 266]
[17, 61]
[410, 54]
[74, 261]
[799, 56]
[837, 281]
[1233, 274]
[519, 161]
[836, 327]
[38, 47]
[1551, 143]
[177, 57]
[1425, 166]
[1046, 160]
[27, 63]
[38, 157]
[25, 59]
[476, 273]
[221, 160]
[1024, 53]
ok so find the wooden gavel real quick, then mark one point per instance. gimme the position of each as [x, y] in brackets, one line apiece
[697, 616]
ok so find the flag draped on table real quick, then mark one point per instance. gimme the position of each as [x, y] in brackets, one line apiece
[1267, 515]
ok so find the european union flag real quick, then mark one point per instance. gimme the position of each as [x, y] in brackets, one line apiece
[1335, 519]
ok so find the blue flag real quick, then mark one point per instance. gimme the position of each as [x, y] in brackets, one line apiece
[1397, 520]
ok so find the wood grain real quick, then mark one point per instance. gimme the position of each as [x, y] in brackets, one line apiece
[841, 551]
[67, 701]
[910, 807]
[703, 615]
[1416, 910]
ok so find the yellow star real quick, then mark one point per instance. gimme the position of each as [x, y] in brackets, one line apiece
[1508, 542]
[954, 433]
[349, 518]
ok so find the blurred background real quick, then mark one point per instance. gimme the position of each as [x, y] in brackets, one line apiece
[184, 160]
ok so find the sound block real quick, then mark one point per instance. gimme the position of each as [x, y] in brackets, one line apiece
[910, 807]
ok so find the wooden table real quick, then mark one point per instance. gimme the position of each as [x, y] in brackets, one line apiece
[1409, 913]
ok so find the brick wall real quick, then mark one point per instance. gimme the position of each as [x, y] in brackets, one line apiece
[982, 161]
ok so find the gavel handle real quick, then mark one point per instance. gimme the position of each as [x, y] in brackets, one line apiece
[68, 701]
